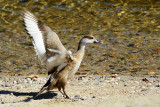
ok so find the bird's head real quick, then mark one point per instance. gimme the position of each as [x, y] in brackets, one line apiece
[89, 39]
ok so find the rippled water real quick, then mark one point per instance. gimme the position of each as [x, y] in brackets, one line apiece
[130, 31]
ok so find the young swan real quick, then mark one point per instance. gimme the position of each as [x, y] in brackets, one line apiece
[60, 63]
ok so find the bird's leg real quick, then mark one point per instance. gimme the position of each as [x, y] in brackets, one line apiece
[65, 95]
[59, 88]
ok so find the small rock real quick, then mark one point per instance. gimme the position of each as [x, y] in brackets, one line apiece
[158, 85]
[19, 81]
[97, 77]
[136, 91]
[149, 84]
[42, 81]
[20, 87]
[30, 82]
[84, 79]
[131, 45]
[114, 76]
[136, 82]
[107, 81]
[143, 87]
[125, 85]
[146, 80]
[76, 97]
[11, 94]
[97, 83]
[35, 79]
[7, 85]
[112, 79]
[14, 82]
[28, 79]
[151, 73]
[95, 73]
[144, 90]
[118, 78]
[103, 77]
[25, 81]
[152, 88]
[32, 77]
[116, 83]
[94, 97]
[79, 77]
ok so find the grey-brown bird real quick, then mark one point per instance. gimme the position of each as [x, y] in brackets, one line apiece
[60, 63]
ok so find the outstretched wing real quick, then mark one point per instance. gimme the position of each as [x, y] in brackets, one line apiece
[46, 43]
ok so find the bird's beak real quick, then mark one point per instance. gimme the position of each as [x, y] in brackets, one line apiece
[96, 41]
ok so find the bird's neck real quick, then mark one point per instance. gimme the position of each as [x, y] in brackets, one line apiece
[80, 51]
[81, 46]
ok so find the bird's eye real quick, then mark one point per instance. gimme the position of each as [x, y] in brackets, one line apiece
[91, 38]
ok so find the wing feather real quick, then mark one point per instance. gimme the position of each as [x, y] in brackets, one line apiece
[30, 22]
[47, 44]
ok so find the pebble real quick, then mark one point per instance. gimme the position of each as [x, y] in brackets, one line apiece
[143, 87]
[11, 94]
[151, 73]
[136, 91]
[25, 81]
[125, 85]
[118, 78]
[149, 84]
[136, 82]
[93, 96]
[103, 77]
[28, 79]
[97, 83]
[152, 88]
[35, 79]
[30, 82]
[84, 79]
[144, 90]
[20, 87]
[112, 79]
[7, 84]
[116, 83]
[19, 81]
[14, 82]
[97, 77]
[79, 77]
[76, 97]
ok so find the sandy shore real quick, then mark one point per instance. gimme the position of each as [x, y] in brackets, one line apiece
[122, 91]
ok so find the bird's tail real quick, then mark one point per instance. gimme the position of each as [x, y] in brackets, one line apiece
[41, 91]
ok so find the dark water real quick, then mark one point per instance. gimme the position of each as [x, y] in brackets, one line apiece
[129, 29]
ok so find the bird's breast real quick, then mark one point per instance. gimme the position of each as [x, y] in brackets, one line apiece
[74, 65]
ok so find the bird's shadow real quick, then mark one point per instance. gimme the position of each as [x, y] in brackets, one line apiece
[47, 95]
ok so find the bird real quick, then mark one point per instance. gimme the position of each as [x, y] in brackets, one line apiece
[60, 63]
